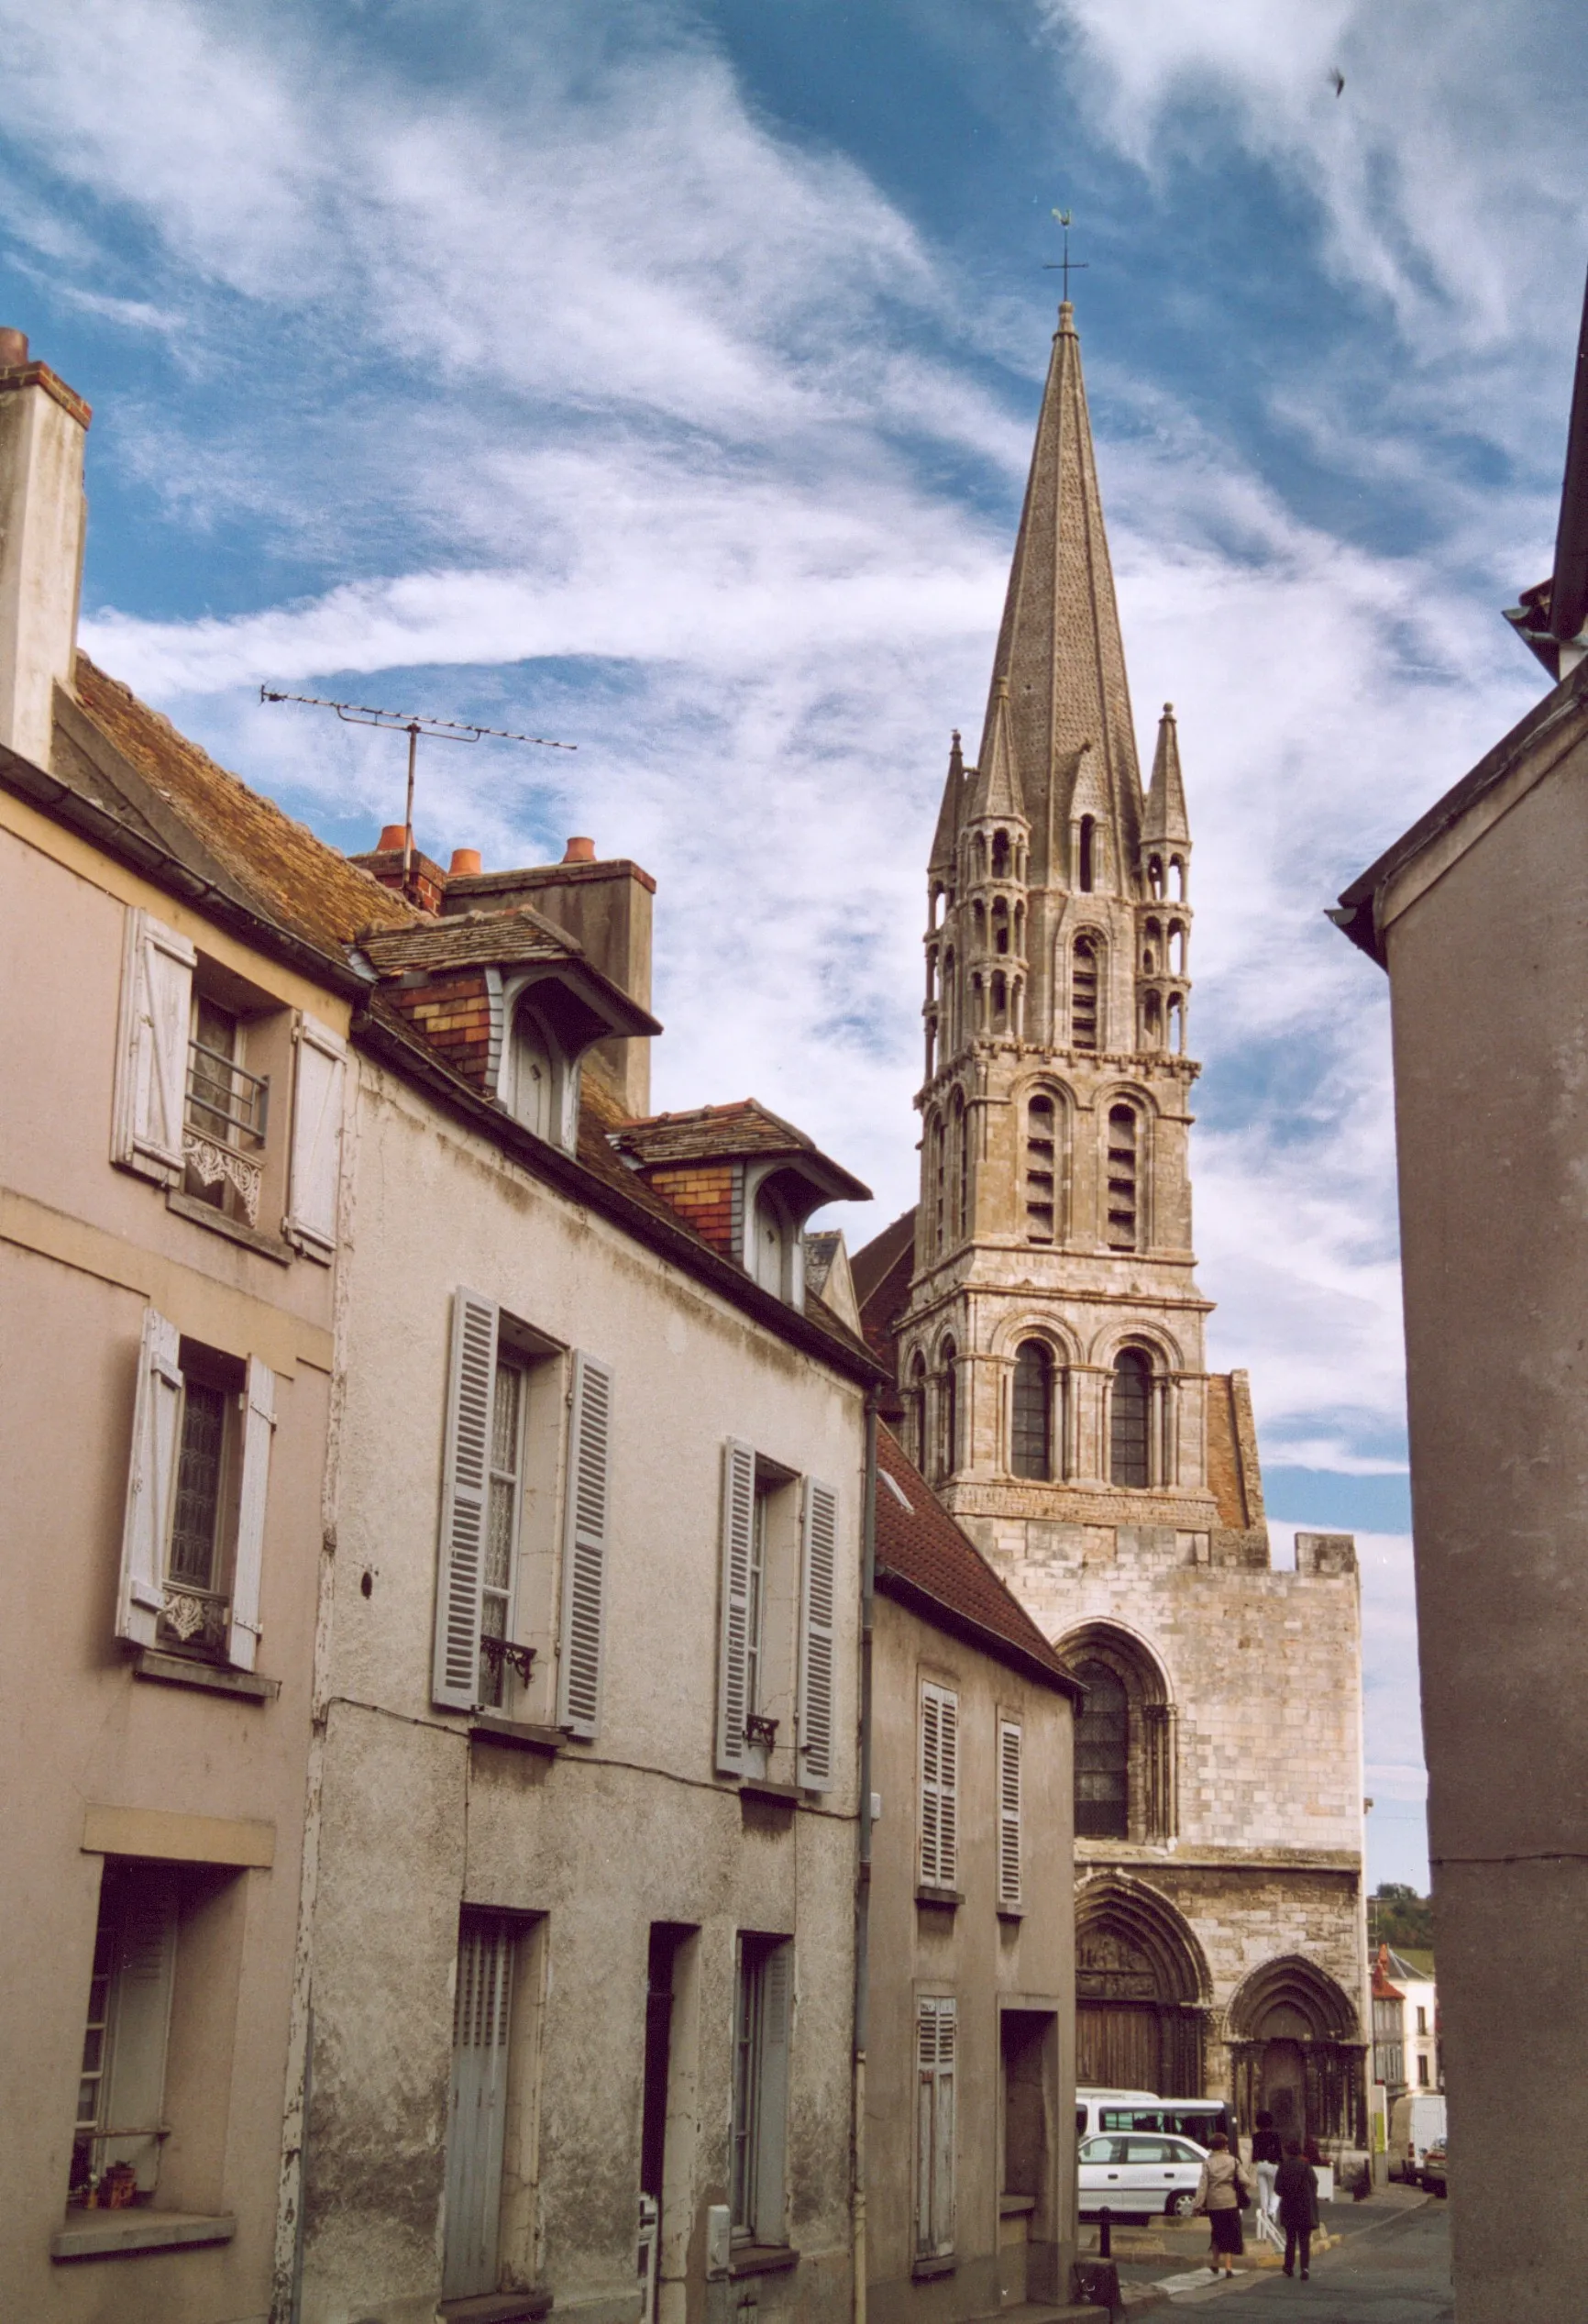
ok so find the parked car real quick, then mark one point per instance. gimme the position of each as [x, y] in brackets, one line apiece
[1137, 2177]
[1432, 2174]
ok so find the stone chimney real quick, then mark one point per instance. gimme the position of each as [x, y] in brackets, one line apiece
[43, 520]
[606, 907]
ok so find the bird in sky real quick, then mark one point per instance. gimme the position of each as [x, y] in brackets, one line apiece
[1338, 77]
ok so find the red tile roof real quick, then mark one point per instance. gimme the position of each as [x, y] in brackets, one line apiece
[744, 1130]
[931, 1564]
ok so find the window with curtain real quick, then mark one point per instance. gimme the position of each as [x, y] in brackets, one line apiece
[1032, 1429]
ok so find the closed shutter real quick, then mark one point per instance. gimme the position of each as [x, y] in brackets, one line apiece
[936, 2027]
[151, 1062]
[1009, 1814]
[259, 1426]
[733, 1640]
[772, 2098]
[139, 2016]
[477, 2114]
[939, 1786]
[465, 1490]
[817, 1596]
[314, 1184]
[584, 1565]
[151, 1481]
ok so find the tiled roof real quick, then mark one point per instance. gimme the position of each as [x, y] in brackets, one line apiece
[919, 1545]
[465, 939]
[290, 876]
[720, 1133]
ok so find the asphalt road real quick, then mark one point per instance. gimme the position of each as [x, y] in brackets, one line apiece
[1391, 2268]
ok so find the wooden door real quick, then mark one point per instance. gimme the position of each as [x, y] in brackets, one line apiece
[1117, 2045]
[476, 2116]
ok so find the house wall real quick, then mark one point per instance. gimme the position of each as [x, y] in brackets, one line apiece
[1486, 936]
[990, 1962]
[103, 1759]
[592, 1845]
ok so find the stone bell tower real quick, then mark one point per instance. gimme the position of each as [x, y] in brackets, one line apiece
[1053, 1334]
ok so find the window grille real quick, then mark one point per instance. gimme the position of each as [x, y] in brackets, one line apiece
[227, 1113]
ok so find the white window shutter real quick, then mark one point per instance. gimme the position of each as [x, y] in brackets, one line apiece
[936, 2026]
[1009, 1814]
[948, 1789]
[248, 1566]
[151, 1481]
[586, 1547]
[151, 1061]
[465, 1493]
[772, 2105]
[930, 1786]
[733, 1641]
[319, 1079]
[143, 1976]
[818, 1609]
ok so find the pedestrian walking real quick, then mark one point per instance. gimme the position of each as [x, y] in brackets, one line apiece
[1267, 2154]
[1223, 2192]
[1296, 2183]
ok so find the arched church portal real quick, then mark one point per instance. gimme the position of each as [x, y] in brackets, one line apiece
[1140, 1992]
[1294, 2049]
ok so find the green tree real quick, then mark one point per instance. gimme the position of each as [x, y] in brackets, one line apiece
[1397, 1915]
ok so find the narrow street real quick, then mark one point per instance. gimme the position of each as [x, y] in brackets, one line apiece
[1391, 2266]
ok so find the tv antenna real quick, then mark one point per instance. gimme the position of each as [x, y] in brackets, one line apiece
[413, 723]
[1066, 265]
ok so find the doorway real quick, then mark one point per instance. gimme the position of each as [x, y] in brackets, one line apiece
[477, 2111]
[1284, 2088]
[662, 1963]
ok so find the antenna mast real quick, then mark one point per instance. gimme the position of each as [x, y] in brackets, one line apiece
[413, 723]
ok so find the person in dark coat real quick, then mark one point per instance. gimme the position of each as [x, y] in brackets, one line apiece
[1296, 2186]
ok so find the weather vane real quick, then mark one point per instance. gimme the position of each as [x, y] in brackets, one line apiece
[1066, 265]
[413, 723]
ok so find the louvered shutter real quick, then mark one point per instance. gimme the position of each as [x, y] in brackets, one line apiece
[939, 1791]
[259, 1427]
[151, 1481]
[586, 1547]
[936, 2026]
[140, 2024]
[818, 1606]
[733, 1627]
[319, 1078]
[772, 2098]
[929, 1755]
[151, 1062]
[465, 1492]
[1009, 1814]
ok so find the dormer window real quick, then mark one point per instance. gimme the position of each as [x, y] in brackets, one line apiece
[532, 1075]
[771, 1244]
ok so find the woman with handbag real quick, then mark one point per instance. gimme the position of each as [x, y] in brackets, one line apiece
[1224, 2191]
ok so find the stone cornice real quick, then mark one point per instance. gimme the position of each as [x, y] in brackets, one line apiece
[1191, 1855]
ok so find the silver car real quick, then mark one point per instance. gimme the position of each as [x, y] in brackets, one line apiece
[1135, 2176]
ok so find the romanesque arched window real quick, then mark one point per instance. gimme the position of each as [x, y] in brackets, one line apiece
[1121, 1219]
[1084, 994]
[948, 1410]
[1000, 855]
[962, 1168]
[1001, 1001]
[1103, 1755]
[1151, 948]
[1087, 869]
[937, 1150]
[915, 1410]
[1041, 1168]
[1032, 1412]
[1130, 1419]
[1000, 924]
[1152, 1021]
[949, 1004]
[1177, 1023]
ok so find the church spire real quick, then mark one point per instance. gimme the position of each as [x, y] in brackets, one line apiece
[996, 791]
[1166, 818]
[1060, 655]
[945, 839]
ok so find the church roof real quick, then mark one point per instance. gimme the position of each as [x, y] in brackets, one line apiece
[1166, 817]
[1060, 652]
[930, 1564]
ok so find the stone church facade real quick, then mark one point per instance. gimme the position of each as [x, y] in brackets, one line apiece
[1042, 1310]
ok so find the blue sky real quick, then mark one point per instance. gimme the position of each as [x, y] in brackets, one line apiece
[661, 377]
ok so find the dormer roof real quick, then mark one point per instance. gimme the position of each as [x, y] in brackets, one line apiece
[512, 940]
[740, 1131]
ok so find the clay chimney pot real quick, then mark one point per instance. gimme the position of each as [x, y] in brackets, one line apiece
[392, 835]
[13, 349]
[580, 851]
[465, 863]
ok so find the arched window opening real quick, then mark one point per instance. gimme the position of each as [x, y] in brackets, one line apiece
[1177, 873]
[949, 1003]
[934, 905]
[1152, 1021]
[979, 1004]
[1155, 875]
[1001, 1001]
[1017, 1007]
[532, 1074]
[948, 1411]
[932, 973]
[1130, 1446]
[1087, 867]
[962, 1139]
[1042, 1152]
[978, 924]
[1123, 1168]
[938, 1188]
[1019, 928]
[1084, 993]
[771, 1231]
[1000, 855]
[1102, 1755]
[930, 1049]
[916, 1408]
[981, 855]
[1151, 947]
[1001, 924]
[1176, 1025]
[1032, 1413]
[1177, 947]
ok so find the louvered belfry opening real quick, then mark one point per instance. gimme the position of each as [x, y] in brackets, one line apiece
[1041, 1148]
[1123, 1170]
[1084, 993]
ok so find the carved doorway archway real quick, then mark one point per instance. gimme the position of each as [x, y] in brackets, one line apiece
[1140, 1992]
[1296, 2048]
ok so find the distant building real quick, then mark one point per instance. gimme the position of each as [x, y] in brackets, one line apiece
[1405, 2022]
[1046, 1330]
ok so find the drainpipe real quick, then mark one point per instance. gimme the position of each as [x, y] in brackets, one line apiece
[863, 1875]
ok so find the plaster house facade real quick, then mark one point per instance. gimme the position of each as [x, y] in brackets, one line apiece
[174, 1047]
[970, 2034]
[1479, 915]
[1405, 2022]
[1042, 1314]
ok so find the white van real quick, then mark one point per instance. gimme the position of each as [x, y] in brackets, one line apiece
[1195, 2119]
[1417, 2122]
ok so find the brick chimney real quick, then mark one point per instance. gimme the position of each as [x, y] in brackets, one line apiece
[43, 520]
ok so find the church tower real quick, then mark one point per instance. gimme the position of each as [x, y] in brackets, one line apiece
[1043, 1309]
[1054, 1335]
